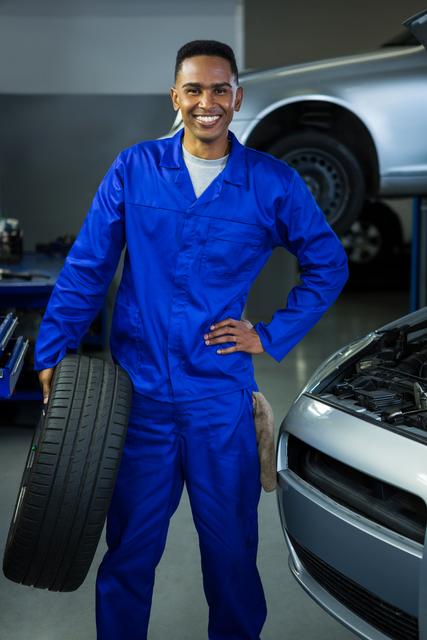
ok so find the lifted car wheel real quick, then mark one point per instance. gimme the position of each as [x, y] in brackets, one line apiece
[331, 172]
[373, 241]
[69, 477]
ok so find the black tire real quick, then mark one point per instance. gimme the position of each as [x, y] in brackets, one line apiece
[374, 240]
[331, 172]
[377, 256]
[69, 477]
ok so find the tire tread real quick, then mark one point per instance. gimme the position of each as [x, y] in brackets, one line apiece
[52, 543]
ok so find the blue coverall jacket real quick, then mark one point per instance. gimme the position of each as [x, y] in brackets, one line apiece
[189, 263]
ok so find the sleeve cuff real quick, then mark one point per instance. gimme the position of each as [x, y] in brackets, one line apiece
[49, 362]
[260, 328]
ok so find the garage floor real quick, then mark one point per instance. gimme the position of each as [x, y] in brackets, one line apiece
[179, 609]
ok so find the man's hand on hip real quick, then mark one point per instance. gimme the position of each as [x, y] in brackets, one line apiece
[239, 331]
[45, 378]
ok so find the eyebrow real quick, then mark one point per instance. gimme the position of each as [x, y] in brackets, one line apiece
[212, 86]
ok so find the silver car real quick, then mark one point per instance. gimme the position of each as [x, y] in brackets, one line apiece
[352, 465]
[354, 127]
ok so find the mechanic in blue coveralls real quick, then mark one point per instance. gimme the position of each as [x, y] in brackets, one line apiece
[199, 215]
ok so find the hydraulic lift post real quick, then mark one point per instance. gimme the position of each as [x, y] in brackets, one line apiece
[417, 25]
[419, 254]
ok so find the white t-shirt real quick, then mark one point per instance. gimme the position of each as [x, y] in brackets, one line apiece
[202, 171]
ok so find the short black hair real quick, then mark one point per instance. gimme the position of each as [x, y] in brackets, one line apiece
[206, 48]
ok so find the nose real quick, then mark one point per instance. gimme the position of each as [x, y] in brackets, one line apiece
[206, 100]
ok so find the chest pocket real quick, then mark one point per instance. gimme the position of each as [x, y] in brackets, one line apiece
[231, 250]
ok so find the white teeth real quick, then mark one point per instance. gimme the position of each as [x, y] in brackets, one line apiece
[207, 118]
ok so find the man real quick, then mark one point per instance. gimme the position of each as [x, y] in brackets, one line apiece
[199, 214]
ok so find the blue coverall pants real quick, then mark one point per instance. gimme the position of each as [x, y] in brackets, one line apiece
[210, 444]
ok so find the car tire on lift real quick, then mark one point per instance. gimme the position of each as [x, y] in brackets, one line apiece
[69, 477]
[331, 171]
[374, 247]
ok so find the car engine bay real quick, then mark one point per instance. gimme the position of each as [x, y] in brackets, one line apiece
[387, 382]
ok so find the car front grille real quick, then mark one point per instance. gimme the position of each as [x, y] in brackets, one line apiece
[391, 620]
[379, 501]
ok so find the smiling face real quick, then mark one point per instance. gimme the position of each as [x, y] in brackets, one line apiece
[207, 94]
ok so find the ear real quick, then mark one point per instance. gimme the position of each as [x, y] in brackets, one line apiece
[238, 99]
[174, 98]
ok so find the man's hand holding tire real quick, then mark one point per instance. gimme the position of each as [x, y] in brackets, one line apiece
[45, 379]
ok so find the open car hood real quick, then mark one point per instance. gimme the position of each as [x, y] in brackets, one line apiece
[383, 379]
[410, 320]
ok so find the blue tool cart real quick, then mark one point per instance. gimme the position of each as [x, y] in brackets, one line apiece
[12, 353]
[25, 288]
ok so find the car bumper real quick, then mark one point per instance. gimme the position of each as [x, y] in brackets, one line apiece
[369, 577]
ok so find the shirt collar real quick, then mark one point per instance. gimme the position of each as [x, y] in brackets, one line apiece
[235, 170]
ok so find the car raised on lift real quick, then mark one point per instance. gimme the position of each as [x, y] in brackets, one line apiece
[351, 126]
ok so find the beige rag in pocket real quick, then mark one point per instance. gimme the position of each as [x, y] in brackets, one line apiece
[264, 427]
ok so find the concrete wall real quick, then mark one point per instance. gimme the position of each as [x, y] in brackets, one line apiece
[80, 81]
[280, 33]
[94, 47]
[56, 149]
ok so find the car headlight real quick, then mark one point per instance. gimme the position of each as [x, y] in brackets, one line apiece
[336, 360]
